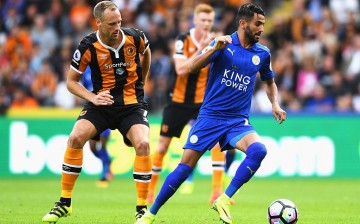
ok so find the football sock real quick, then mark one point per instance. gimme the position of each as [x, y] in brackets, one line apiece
[156, 170]
[71, 169]
[217, 158]
[229, 159]
[142, 177]
[254, 155]
[171, 184]
[105, 159]
[190, 177]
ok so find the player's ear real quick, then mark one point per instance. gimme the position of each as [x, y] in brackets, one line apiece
[242, 24]
[98, 22]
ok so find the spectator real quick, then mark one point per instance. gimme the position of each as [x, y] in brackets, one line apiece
[4, 57]
[320, 102]
[159, 79]
[128, 10]
[4, 102]
[11, 18]
[341, 10]
[289, 101]
[29, 17]
[324, 30]
[307, 79]
[44, 35]
[353, 69]
[62, 97]
[281, 32]
[44, 85]
[261, 101]
[36, 58]
[344, 102]
[62, 56]
[356, 99]
[81, 27]
[338, 84]
[57, 17]
[18, 38]
[22, 99]
[22, 74]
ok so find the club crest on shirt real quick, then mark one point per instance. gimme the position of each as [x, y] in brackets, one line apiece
[103, 56]
[130, 51]
[82, 113]
[256, 60]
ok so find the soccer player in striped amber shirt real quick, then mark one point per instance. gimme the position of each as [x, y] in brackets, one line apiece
[116, 102]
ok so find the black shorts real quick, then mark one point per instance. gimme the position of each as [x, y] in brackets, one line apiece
[176, 116]
[120, 117]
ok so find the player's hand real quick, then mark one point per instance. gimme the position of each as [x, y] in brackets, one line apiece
[222, 41]
[279, 114]
[103, 99]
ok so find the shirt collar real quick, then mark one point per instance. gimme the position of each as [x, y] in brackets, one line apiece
[236, 41]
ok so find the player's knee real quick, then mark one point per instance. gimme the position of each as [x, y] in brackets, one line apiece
[142, 147]
[258, 150]
[76, 141]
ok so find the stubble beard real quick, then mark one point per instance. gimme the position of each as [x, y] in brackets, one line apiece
[250, 37]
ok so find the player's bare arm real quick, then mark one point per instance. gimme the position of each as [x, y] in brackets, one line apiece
[182, 65]
[103, 98]
[145, 64]
[272, 93]
[199, 61]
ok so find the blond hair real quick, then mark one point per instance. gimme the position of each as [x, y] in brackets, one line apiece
[101, 7]
[203, 8]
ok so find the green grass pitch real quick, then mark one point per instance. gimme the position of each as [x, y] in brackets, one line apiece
[26, 200]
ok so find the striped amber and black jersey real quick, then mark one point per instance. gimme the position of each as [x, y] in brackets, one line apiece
[117, 70]
[188, 89]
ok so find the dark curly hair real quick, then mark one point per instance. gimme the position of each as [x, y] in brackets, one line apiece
[247, 11]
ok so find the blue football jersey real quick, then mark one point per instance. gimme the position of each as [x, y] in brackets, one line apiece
[232, 76]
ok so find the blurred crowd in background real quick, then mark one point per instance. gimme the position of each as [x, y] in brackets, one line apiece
[315, 46]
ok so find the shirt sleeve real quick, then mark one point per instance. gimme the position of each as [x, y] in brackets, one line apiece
[213, 56]
[266, 72]
[144, 42]
[179, 48]
[81, 58]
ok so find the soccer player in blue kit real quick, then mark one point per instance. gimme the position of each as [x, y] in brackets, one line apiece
[235, 60]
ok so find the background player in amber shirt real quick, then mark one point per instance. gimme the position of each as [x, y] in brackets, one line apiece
[116, 102]
[186, 98]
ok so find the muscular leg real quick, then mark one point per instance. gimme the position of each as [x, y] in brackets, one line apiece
[138, 134]
[176, 178]
[83, 130]
[255, 153]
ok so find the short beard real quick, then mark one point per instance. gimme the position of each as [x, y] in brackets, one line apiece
[250, 37]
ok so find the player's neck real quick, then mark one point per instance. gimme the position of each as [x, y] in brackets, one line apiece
[114, 43]
[244, 42]
[198, 34]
